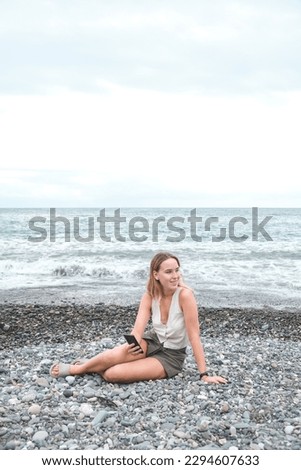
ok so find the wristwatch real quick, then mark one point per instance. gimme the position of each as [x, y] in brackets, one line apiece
[203, 374]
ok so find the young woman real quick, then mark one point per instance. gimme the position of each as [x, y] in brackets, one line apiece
[173, 310]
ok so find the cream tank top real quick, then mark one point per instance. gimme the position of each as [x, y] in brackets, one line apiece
[173, 334]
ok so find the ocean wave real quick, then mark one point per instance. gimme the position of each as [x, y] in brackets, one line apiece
[102, 272]
[80, 270]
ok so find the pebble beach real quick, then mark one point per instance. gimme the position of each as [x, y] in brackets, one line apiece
[258, 350]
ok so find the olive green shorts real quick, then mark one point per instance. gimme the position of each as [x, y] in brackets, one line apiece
[171, 359]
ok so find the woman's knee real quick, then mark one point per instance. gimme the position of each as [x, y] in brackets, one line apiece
[111, 375]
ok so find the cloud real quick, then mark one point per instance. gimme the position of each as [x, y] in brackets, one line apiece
[209, 47]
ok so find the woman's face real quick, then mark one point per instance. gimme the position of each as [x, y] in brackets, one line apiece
[168, 275]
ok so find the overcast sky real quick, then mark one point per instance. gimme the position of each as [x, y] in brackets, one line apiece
[107, 103]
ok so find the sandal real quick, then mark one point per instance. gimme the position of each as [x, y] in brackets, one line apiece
[80, 360]
[64, 370]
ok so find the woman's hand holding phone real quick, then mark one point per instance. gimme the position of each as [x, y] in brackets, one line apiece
[135, 347]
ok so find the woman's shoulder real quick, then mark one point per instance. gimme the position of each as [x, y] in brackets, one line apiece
[147, 299]
[183, 288]
[185, 292]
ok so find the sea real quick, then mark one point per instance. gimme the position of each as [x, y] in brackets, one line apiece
[230, 257]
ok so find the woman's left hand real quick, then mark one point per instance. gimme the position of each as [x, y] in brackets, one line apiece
[214, 379]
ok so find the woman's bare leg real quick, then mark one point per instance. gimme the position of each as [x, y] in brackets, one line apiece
[105, 360]
[148, 368]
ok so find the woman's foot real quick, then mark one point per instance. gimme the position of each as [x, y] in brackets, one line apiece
[61, 369]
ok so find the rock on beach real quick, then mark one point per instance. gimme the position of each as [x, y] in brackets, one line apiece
[258, 350]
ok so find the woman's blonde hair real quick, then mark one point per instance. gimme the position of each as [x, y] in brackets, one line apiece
[154, 287]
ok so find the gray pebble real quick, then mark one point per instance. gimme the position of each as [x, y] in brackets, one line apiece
[100, 417]
[289, 429]
[34, 409]
[40, 436]
[42, 382]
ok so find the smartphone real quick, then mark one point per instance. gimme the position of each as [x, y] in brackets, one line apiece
[130, 339]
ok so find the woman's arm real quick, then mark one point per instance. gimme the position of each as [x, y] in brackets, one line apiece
[142, 317]
[190, 310]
